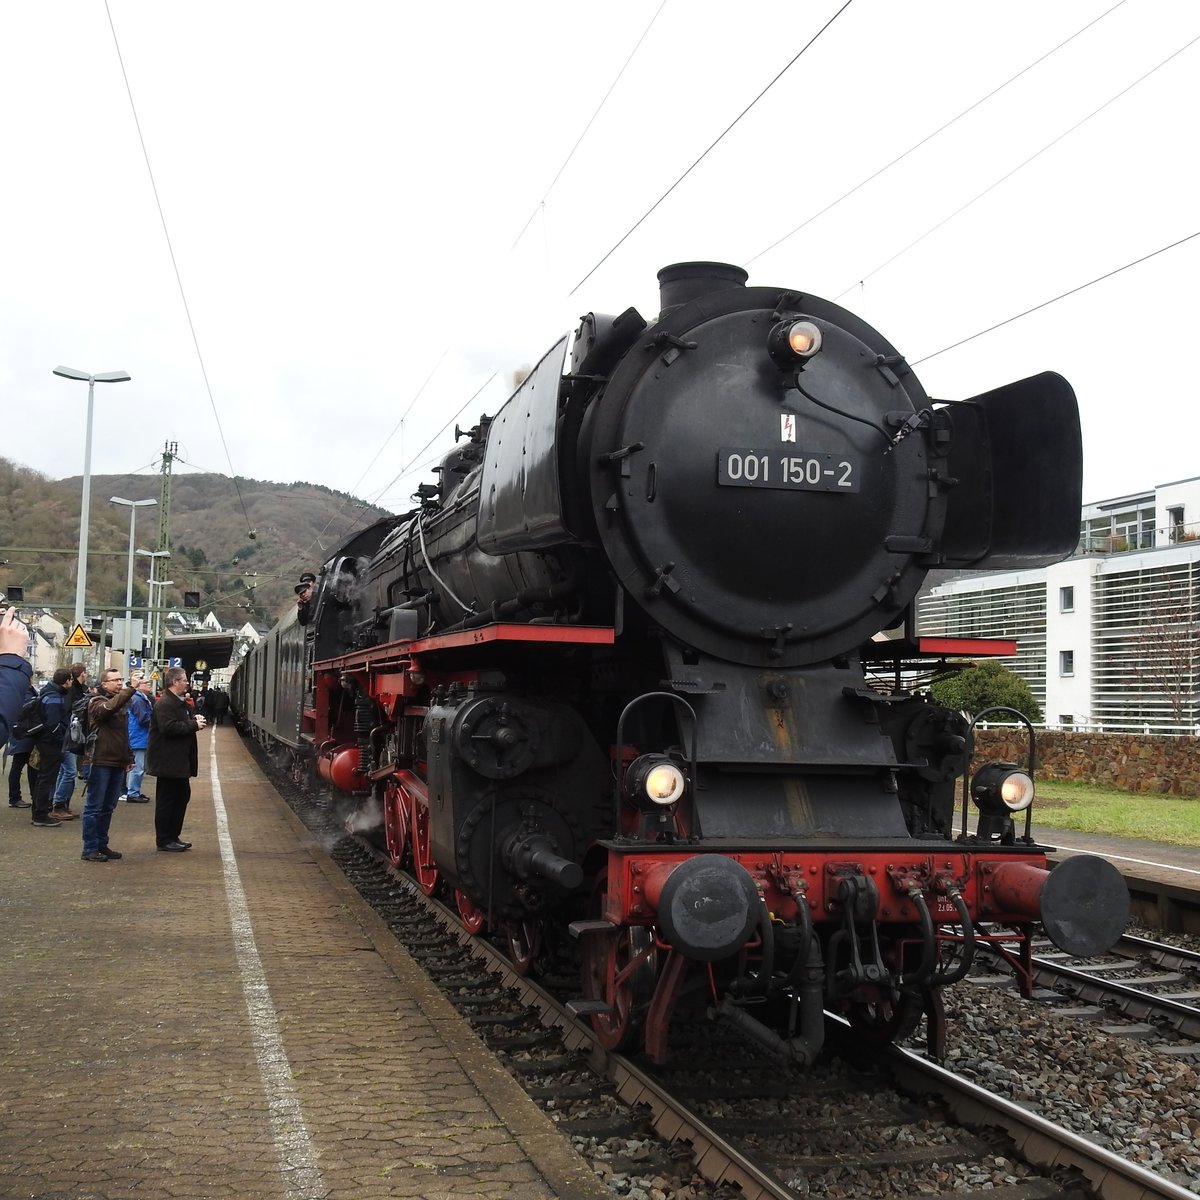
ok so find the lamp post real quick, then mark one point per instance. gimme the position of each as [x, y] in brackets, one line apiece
[151, 612]
[81, 573]
[133, 506]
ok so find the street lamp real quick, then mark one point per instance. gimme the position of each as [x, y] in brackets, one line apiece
[151, 611]
[81, 573]
[133, 506]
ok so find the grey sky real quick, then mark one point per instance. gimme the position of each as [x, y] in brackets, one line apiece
[342, 185]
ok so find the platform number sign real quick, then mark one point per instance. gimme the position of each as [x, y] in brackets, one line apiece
[174, 662]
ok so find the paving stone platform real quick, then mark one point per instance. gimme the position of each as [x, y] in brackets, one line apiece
[233, 1022]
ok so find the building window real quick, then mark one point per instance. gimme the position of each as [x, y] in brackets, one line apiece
[1066, 720]
[1175, 523]
[1066, 662]
[1066, 599]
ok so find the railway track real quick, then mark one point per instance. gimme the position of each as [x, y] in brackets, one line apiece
[1140, 979]
[734, 1122]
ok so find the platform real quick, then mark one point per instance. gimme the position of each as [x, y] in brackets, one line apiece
[234, 1022]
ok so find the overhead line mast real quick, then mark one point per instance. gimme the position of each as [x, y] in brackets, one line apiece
[157, 563]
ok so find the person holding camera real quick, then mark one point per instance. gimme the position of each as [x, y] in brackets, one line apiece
[110, 759]
[15, 671]
[173, 758]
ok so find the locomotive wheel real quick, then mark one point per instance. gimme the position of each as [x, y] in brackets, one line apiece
[621, 969]
[473, 918]
[524, 939]
[887, 1019]
[297, 770]
[395, 823]
[424, 868]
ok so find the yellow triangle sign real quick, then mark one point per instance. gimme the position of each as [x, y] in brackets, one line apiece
[79, 639]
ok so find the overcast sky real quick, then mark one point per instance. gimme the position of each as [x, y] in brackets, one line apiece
[343, 185]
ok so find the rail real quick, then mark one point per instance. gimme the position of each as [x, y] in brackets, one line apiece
[1041, 1142]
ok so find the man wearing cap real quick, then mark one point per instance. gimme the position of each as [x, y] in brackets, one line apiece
[304, 596]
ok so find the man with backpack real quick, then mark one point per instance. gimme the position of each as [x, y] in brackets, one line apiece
[48, 739]
[140, 709]
[78, 698]
[110, 759]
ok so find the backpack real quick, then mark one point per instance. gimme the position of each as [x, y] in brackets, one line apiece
[78, 736]
[31, 720]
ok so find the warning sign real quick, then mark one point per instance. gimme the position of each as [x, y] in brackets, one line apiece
[79, 639]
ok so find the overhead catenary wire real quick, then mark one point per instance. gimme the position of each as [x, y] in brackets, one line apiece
[175, 265]
[1055, 299]
[541, 204]
[1019, 167]
[712, 146]
[383, 446]
[539, 207]
[454, 417]
[930, 136]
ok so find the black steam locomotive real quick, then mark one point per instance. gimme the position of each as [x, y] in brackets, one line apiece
[634, 675]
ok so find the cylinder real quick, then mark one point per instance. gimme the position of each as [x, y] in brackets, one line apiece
[536, 857]
[683, 282]
[339, 767]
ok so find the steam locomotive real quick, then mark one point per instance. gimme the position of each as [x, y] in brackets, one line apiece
[637, 678]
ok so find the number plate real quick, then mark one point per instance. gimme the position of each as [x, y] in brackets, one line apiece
[812, 472]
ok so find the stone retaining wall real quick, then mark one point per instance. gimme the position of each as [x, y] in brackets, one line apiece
[1136, 762]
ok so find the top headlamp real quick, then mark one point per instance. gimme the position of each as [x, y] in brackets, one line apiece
[791, 343]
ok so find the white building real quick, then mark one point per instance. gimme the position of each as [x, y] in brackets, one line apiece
[1109, 638]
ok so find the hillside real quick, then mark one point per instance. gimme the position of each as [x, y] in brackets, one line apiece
[239, 576]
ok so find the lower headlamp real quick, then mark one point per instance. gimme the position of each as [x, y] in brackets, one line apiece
[654, 781]
[1001, 788]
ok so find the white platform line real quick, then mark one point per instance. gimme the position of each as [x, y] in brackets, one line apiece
[1141, 862]
[297, 1159]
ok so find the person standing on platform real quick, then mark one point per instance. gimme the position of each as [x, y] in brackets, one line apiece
[49, 744]
[174, 759]
[19, 750]
[110, 759]
[141, 707]
[64, 788]
[218, 705]
[15, 671]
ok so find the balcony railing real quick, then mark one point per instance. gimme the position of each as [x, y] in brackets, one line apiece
[1094, 542]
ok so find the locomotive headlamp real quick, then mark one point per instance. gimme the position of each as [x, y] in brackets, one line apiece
[1001, 788]
[655, 780]
[791, 343]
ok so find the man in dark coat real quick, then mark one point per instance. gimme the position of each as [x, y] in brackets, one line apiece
[173, 758]
[49, 745]
[15, 671]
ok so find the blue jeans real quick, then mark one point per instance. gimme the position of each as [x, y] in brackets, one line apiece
[64, 788]
[133, 781]
[103, 791]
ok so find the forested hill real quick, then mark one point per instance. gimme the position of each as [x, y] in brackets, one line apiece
[239, 576]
